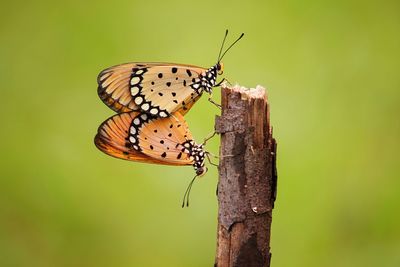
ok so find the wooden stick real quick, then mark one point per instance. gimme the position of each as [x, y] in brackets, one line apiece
[247, 178]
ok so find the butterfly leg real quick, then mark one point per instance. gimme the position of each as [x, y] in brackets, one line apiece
[212, 101]
[227, 156]
[223, 81]
[208, 154]
[218, 84]
[212, 155]
[209, 137]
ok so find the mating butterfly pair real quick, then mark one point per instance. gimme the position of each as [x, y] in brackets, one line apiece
[152, 99]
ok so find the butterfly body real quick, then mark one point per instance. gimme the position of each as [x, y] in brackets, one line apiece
[197, 153]
[209, 78]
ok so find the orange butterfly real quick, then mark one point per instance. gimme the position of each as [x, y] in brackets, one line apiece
[159, 89]
[140, 137]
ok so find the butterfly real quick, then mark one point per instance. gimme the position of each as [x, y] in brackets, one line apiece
[137, 136]
[158, 89]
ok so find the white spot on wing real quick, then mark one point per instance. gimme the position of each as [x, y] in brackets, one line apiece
[136, 121]
[145, 106]
[139, 72]
[138, 100]
[135, 80]
[134, 90]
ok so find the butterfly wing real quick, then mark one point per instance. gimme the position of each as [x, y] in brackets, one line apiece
[156, 88]
[114, 89]
[112, 137]
[162, 138]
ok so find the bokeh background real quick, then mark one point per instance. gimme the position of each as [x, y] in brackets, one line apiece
[332, 73]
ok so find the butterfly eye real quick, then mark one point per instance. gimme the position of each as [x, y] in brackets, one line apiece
[220, 68]
[201, 171]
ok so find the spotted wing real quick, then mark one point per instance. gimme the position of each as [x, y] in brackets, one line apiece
[164, 139]
[112, 138]
[156, 88]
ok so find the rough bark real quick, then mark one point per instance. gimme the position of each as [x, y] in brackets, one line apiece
[247, 179]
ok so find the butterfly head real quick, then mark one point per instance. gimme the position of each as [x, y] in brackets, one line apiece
[220, 68]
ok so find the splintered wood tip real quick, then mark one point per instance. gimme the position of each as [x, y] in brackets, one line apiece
[246, 93]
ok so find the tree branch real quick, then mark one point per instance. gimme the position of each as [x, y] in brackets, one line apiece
[247, 178]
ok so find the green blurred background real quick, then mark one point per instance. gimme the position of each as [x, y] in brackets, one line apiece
[332, 73]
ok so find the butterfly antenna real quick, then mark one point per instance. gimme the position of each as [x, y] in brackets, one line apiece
[222, 46]
[187, 193]
[240, 37]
